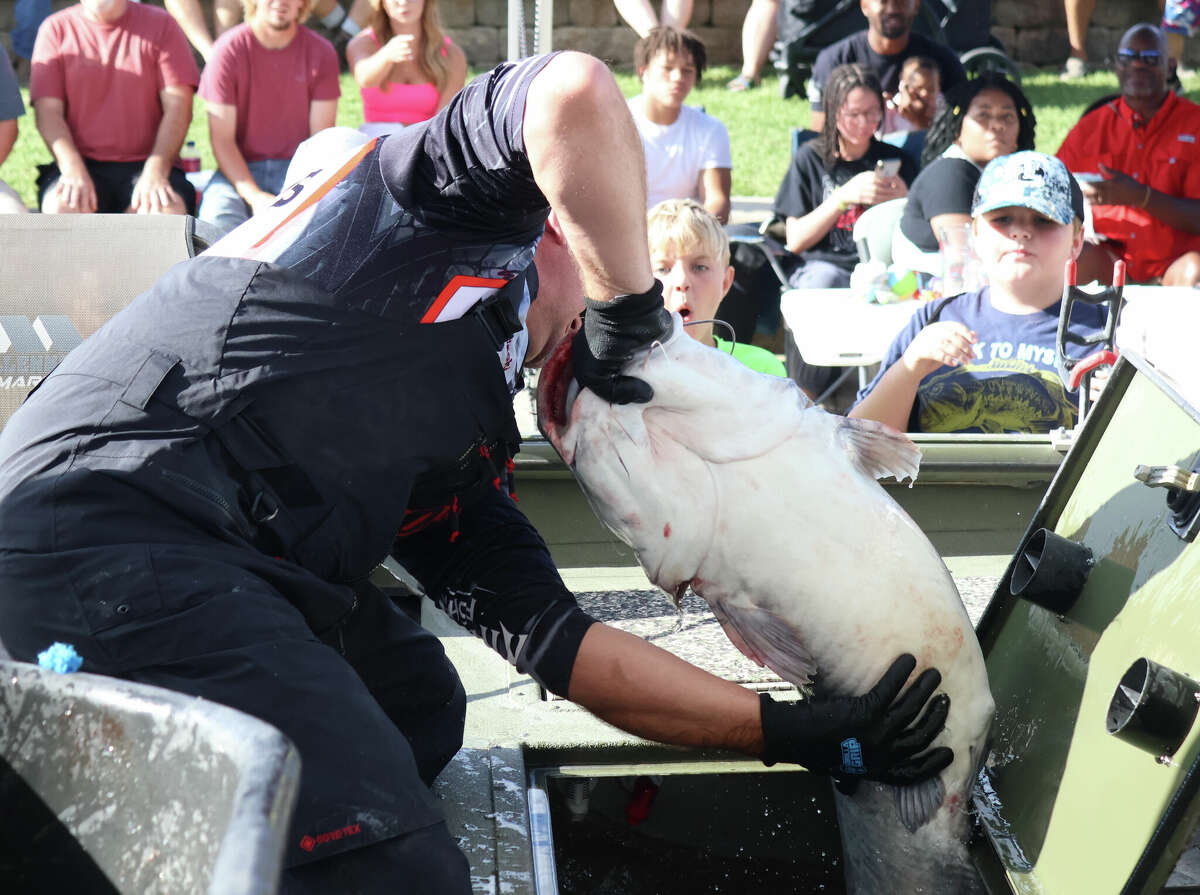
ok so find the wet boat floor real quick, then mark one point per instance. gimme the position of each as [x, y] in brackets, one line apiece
[703, 833]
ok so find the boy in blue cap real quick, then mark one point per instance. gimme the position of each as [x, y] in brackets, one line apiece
[984, 361]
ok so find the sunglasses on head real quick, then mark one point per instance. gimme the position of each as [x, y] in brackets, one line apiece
[1149, 57]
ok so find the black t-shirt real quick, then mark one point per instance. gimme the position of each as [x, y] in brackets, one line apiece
[809, 182]
[856, 48]
[945, 186]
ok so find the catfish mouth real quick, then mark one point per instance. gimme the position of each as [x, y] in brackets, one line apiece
[556, 390]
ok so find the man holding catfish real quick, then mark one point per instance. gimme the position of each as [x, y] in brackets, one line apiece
[196, 497]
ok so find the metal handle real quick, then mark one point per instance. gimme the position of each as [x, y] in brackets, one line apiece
[1183, 496]
[1170, 477]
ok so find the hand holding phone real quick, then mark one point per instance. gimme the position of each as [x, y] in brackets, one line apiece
[888, 167]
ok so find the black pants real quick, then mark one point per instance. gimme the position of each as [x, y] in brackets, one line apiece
[372, 703]
[114, 182]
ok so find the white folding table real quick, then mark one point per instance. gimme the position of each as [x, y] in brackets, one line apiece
[839, 328]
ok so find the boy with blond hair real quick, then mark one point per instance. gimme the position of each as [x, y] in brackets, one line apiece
[985, 361]
[689, 253]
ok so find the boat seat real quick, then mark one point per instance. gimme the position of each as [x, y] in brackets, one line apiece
[111, 786]
[63, 275]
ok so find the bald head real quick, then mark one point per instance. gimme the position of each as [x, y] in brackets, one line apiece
[1147, 31]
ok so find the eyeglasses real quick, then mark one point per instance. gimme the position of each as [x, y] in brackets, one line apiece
[1147, 57]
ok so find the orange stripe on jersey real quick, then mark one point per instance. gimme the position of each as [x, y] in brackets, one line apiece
[456, 283]
[321, 191]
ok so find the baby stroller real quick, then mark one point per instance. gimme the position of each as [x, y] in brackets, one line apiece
[808, 26]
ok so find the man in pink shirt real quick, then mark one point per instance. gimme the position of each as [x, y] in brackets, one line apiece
[111, 88]
[270, 85]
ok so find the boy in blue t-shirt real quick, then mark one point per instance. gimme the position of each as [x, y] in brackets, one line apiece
[689, 253]
[985, 361]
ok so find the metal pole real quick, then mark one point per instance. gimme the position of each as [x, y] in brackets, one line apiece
[543, 28]
[543, 40]
[516, 29]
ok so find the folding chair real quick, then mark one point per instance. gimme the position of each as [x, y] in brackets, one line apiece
[63, 275]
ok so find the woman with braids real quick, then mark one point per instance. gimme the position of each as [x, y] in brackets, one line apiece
[406, 67]
[832, 180]
[982, 118]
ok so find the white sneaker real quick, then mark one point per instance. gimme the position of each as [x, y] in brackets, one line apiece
[1074, 69]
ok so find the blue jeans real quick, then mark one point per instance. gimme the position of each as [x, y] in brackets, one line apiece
[815, 274]
[221, 205]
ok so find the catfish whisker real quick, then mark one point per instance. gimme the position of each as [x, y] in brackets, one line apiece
[723, 323]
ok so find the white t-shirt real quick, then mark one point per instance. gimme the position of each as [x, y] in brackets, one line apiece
[677, 154]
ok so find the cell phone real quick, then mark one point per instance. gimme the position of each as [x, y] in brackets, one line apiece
[887, 167]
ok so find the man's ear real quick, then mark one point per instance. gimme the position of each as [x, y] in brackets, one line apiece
[554, 229]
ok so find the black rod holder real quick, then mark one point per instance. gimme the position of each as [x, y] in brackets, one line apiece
[1153, 707]
[1050, 570]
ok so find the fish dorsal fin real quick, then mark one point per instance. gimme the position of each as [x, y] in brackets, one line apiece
[917, 804]
[879, 450]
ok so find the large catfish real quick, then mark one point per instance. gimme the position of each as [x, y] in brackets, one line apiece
[731, 483]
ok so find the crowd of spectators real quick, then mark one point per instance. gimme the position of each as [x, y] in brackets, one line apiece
[112, 85]
[893, 116]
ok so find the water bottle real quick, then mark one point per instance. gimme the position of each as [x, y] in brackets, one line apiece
[189, 158]
[961, 267]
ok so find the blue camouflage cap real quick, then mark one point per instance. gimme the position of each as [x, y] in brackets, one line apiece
[1030, 180]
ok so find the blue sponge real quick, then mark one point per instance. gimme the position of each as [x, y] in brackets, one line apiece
[60, 657]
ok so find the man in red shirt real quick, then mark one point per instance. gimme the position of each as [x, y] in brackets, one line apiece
[1142, 149]
[111, 88]
[270, 85]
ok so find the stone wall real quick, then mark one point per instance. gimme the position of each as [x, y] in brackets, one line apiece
[1033, 31]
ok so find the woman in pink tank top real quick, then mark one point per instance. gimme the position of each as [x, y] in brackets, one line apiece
[406, 67]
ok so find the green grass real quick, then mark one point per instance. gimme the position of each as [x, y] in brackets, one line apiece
[759, 124]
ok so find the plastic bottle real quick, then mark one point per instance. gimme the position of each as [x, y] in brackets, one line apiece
[189, 158]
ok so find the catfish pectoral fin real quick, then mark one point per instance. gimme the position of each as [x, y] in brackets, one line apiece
[768, 639]
[918, 803]
[879, 450]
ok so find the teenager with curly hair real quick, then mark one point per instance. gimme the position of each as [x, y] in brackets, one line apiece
[982, 119]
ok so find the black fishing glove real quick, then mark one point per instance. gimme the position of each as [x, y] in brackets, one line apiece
[612, 331]
[867, 737]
